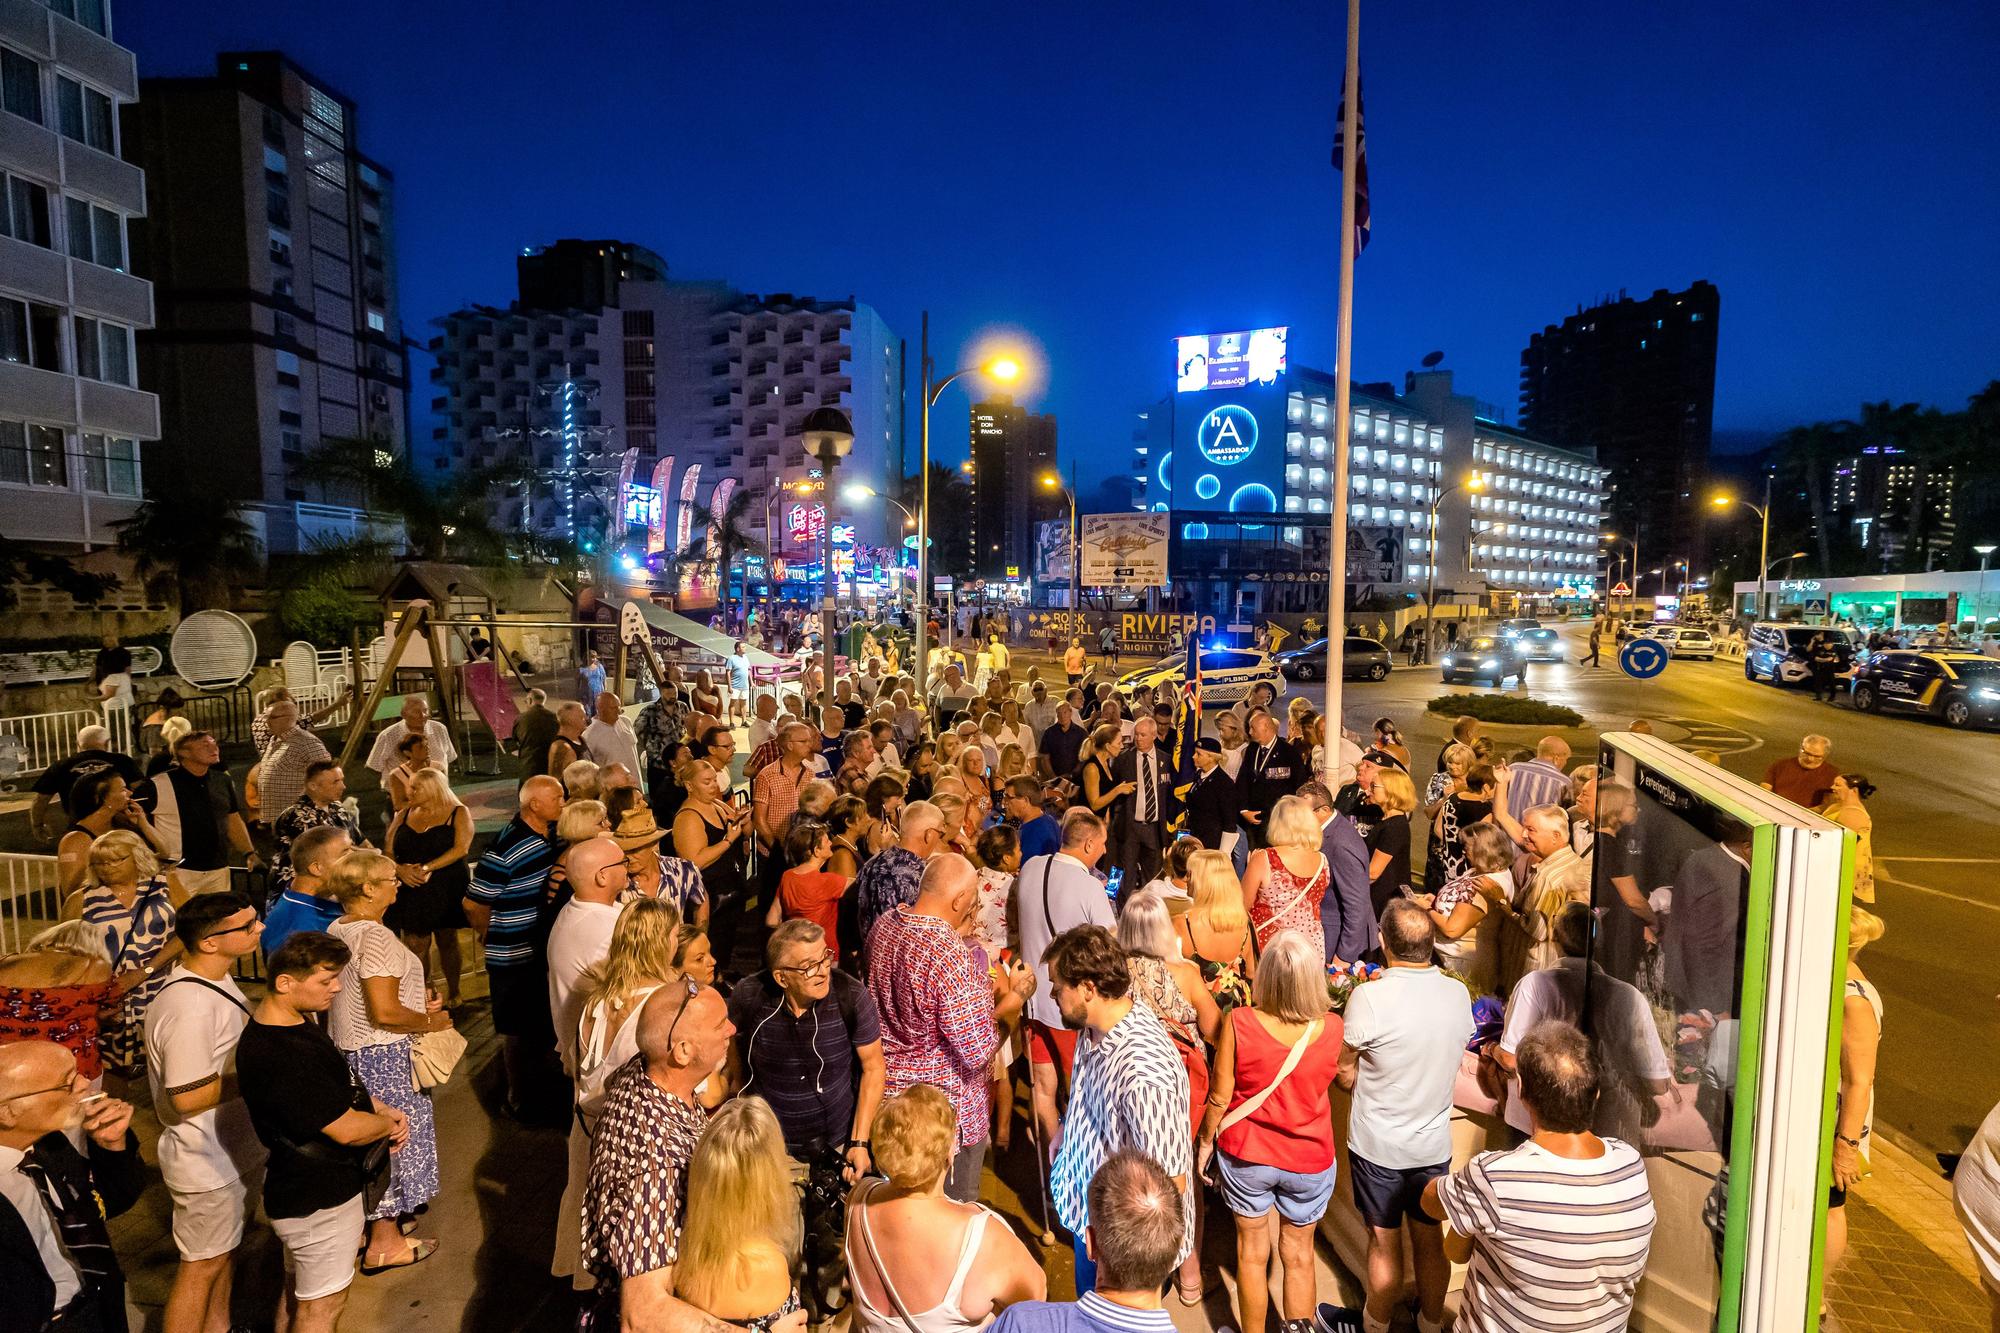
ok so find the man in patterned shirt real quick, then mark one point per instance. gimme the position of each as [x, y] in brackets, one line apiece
[319, 804]
[287, 757]
[891, 876]
[1129, 1088]
[635, 1201]
[937, 1008]
[658, 725]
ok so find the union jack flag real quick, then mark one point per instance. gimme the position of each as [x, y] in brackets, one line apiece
[1361, 227]
[1187, 723]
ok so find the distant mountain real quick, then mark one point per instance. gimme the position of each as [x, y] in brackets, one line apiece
[1741, 441]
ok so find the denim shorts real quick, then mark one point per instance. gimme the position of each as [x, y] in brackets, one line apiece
[1251, 1190]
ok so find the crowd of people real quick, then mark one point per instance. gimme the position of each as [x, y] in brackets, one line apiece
[785, 995]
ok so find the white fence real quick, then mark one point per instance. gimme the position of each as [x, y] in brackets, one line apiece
[28, 899]
[45, 738]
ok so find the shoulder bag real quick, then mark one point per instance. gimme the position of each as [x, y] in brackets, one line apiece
[1255, 1101]
[433, 1055]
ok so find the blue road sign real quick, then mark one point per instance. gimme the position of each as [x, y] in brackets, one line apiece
[1643, 659]
[1816, 606]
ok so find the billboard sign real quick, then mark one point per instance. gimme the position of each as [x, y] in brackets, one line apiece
[1124, 550]
[1052, 549]
[1228, 455]
[1229, 360]
[1374, 554]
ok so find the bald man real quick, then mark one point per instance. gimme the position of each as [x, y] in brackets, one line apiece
[416, 721]
[611, 738]
[509, 887]
[581, 936]
[55, 1255]
[640, 1152]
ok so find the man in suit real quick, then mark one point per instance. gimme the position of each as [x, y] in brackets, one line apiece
[1346, 912]
[57, 1268]
[1053, 893]
[1270, 769]
[1211, 802]
[1139, 824]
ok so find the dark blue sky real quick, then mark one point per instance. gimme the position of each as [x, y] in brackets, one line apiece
[1106, 176]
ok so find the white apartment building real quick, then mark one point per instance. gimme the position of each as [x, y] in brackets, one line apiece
[72, 418]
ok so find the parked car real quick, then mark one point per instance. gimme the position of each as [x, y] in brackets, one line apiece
[1685, 641]
[1776, 653]
[1360, 659]
[1227, 675]
[1542, 644]
[1519, 625]
[1488, 657]
[1958, 688]
[1632, 629]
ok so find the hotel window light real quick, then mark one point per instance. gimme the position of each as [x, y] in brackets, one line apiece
[1316, 505]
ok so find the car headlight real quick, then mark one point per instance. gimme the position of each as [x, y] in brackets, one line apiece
[1489, 664]
[1445, 661]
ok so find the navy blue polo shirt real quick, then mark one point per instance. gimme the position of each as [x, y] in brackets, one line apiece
[804, 1064]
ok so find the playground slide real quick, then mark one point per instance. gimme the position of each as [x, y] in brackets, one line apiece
[490, 697]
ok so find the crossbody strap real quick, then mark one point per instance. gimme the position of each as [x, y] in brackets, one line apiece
[1253, 1103]
[205, 982]
[1048, 868]
[1272, 922]
[875, 1258]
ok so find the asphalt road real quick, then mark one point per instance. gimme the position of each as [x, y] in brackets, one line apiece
[1937, 851]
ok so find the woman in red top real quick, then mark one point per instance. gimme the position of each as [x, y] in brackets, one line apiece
[1269, 1122]
[808, 889]
[1284, 883]
[59, 990]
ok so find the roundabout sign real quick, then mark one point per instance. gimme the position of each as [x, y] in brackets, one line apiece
[1643, 659]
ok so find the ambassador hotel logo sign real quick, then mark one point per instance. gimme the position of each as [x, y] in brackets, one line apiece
[1228, 435]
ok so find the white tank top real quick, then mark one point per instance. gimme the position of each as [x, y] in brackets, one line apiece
[945, 1316]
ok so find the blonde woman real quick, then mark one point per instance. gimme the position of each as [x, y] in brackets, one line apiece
[132, 906]
[743, 1233]
[1100, 795]
[1215, 931]
[1854, 1114]
[382, 1005]
[1284, 883]
[1276, 1152]
[953, 807]
[1844, 807]
[1013, 764]
[640, 961]
[1389, 840]
[1475, 903]
[581, 819]
[429, 839]
[916, 1259]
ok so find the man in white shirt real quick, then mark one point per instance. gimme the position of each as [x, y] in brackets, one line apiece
[610, 737]
[870, 683]
[1404, 1040]
[417, 721]
[1627, 1042]
[1040, 713]
[581, 936]
[209, 1153]
[1054, 893]
[765, 724]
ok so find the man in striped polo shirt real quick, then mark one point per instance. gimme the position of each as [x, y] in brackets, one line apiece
[1557, 1230]
[504, 906]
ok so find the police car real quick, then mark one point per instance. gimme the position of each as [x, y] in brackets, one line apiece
[1961, 688]
[1776, 653]
[1227, 675]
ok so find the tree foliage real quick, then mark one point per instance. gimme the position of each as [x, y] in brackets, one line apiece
[191, 538]
[19, 565]
[443, 519]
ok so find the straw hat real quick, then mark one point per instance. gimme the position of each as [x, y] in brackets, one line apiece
[636, 829]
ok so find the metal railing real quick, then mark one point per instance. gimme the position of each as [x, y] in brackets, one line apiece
[28, 898]
[47, 738]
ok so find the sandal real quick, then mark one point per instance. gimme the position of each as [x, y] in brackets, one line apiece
[420, 1250]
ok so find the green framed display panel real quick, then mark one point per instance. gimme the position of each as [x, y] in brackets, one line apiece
[1747, 896]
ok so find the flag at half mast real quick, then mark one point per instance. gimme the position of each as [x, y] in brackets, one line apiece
[1187, 726]
[1360, 159]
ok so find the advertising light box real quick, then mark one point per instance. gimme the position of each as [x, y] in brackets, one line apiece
[1228, 455]
[1229, 360]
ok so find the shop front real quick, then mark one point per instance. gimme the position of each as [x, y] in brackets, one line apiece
[1966, 600]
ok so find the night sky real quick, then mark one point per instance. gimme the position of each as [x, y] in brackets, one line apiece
[1105, 176]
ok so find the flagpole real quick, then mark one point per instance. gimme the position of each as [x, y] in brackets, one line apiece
[1343, 417]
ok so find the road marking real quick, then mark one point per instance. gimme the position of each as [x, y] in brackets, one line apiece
[1946, 860]
[1715, 736]
[1939, 893]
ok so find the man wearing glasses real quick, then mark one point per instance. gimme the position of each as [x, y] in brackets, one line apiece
[809, 1040]
[1806, 778]
[210, 1156]
[56, 1264]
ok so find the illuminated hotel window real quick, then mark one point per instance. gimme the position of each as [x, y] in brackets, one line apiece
[1294, 475]
[1293, 504]
[1296, 536]
[1398, 489]
[1295, 444]
[1319, 414]
[1319, 446]
[1379, 514]
[1295, 408]
[1437, 441]
[1316, 505]
[1357, 482]
[1398, 517]
[1399, 463]
[1379, 486]
[1358, 455]
[1360, 423]
[1382, 428]
[1357, 510]
[1316, 479]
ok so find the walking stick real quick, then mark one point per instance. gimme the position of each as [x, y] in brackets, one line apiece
[1048, 1237]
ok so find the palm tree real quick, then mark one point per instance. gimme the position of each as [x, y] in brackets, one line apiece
[191, 538]
[442, 521]
[19, 565]
[727, 531]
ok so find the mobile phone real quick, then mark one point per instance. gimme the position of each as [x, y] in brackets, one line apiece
[1115, 881]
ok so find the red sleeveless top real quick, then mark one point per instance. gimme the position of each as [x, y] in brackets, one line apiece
[1294, 1126]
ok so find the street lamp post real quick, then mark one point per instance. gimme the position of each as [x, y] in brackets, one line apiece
[828, 436]
[1003, 368]
[1472, 483]
[858, 492]
[1054, 483]
[1763, 513]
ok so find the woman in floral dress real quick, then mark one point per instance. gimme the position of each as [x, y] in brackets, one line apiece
[1285, 882]
[134, 906]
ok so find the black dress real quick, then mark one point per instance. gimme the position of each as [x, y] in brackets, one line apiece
[726, 884]
[1392, 835]
[436, 904]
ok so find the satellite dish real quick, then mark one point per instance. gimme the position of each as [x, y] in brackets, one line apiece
[1433, 359]
[213, 649]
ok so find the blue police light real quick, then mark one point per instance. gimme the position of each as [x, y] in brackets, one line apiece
[628, 564]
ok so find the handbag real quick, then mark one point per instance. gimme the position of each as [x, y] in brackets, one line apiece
[433, 1055]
